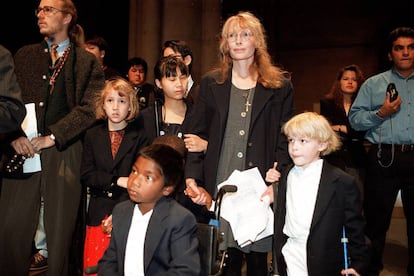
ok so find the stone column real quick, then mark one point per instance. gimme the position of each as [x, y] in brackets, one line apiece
[194, 21]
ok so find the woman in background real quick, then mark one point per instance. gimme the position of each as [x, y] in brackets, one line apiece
[335, 106]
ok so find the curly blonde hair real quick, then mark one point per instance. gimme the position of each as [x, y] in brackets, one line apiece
[269, 75]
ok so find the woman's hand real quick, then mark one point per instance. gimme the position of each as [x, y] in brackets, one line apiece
[197, 194]
[194, 143]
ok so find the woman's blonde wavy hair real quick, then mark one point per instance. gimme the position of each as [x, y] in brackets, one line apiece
[269, 75]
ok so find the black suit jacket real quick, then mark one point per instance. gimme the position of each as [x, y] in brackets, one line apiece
[12, 110]
[171, 244]
[98, 168]
[338, 203]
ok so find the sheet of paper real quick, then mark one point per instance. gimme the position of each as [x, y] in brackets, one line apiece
[29, 125]
[251, 219]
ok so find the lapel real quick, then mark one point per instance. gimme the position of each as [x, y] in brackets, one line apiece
[104, 142]
[325, 192]
[155, 230]
[281, 199]
[221, 95]
[261, 97]
[125, 220]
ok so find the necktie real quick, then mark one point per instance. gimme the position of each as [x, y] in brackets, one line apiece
[54, 53]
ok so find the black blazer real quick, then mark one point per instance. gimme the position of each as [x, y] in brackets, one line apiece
[12, 110]
[338, 203]
[98, 168]
[171, 244]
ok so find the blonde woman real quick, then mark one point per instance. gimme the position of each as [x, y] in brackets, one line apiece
[240, 110]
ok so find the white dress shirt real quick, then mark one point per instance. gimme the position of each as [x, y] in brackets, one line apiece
[134, 251]
[301, 193]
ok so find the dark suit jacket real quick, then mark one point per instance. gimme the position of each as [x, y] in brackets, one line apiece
[171, 244]
[193, 94]
[338, 203]
[266, 144]
[98, 168]
[12, 110]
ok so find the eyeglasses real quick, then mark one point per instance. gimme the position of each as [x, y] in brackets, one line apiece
[47, 11]
[244, 36]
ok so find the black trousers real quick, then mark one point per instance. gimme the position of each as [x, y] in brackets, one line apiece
[256, 263]
[387, 174]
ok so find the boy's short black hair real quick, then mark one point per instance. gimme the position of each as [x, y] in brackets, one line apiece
[134, 61]
[169, 161]
[173, 141]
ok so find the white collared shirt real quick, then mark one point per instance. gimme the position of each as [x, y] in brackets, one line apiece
[301, 193]
[134, 251]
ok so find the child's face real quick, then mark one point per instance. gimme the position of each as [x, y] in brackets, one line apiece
[146, 184]
[116, 107]
[136, 75]
[305, 151]
[174, 87]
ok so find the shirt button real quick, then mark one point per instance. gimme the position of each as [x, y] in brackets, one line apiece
[243, 114]
[240, 154]
[250, 144]
[44, 77]
[242, 132]
[41, 104]
[250, 164]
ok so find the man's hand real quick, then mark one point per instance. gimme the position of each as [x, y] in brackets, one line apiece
[23, 146]
[388, 108]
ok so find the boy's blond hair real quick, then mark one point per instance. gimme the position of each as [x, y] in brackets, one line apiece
[315, 126]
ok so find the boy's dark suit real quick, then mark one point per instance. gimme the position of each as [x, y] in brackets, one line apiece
[337, 193]
[166, 239]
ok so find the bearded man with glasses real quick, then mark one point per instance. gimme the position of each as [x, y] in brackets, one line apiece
[63, 93]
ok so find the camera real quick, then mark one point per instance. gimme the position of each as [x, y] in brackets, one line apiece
[392, 91]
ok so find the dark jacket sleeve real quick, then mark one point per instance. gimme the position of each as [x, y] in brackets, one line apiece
[12, 110]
